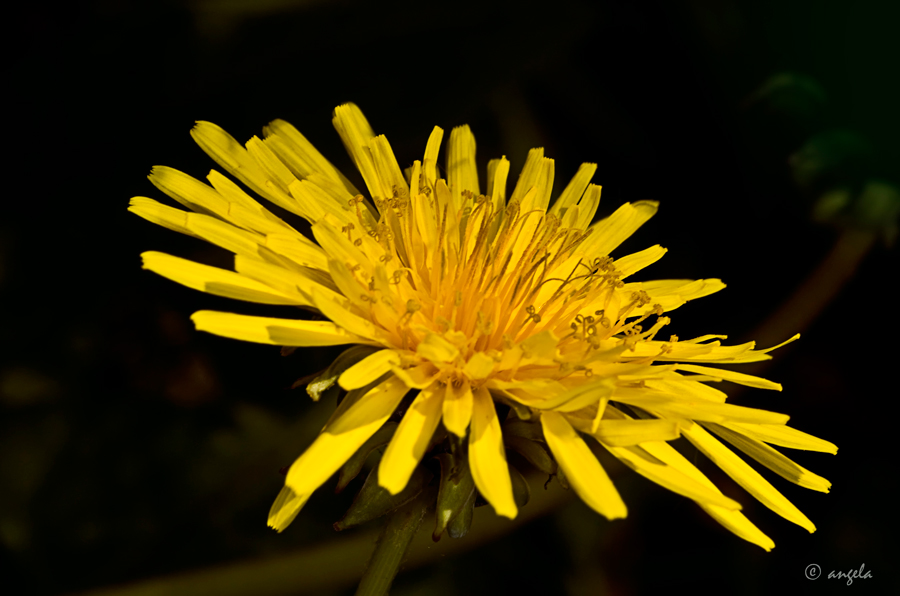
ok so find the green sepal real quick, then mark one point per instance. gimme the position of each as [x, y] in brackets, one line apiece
[356, 462]
[523, 412]
[456, 494]
[521, 428]
[460, 525]
[521, 490]
[535, 452]
[327, 378]
[373, 501]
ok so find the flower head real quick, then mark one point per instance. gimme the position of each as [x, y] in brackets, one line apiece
[459, 297]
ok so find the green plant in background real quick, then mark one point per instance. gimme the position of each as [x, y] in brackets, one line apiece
[477, 323]
[840, 173]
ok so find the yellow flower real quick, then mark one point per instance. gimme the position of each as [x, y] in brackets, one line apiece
[471, 297]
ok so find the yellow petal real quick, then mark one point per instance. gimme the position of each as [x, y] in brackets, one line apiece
[698, 409]
[574, 189]
[479, 366]
[215, 281]
[341, 315]
[581, 468]
[537, 175]
[730, 375]
[417, 377]
[162, 215]
[429, 161]
[232, 156]
[387, 168]
[344, 435]
[687, 388]
[220, 233]
[671, 479]
[609, 233]
[672, 293]
[498, 170]
[298, 249]
[285, 508]
[622, 433]
[785, 436]
[772, 459]
[571, 217]
[437, 349]
[327, 232]
[461, 171]
[458, 407]
[734, 521]
[298, 283]
[301, 155]
[746, 476]
[188, 191]
[234, 194]
[570, 400]
[634, 262]
[426, 222]
[410, 441]
[368, 369]
[541, 345]
[275, 172]
[487, 457]
[313, 203]
[278, 332]
[587, 207]
[356, 133]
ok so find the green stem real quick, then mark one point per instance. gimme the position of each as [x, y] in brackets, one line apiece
[392, 545]
[820, 288]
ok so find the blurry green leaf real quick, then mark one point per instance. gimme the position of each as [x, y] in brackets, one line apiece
[790, 93]
[372, 501]
[357, 460]
[328, 378]
[878, 207]
[838, 155]
[456, 493]
[831, 204]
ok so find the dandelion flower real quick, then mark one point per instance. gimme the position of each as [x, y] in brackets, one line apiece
[456, 297]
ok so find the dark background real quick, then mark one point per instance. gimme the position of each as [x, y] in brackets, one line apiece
[133, 447]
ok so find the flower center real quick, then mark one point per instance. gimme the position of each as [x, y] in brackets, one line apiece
[486, 278]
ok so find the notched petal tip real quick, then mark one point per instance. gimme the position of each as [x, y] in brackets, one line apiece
[285, 508]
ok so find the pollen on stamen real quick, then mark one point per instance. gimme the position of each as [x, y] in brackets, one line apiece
[532, 314]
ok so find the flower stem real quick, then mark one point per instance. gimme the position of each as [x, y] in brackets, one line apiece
[393, 544]
[813, 295]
